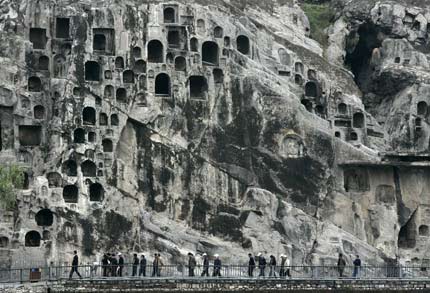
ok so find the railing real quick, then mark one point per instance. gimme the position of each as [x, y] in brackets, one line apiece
[55, 273]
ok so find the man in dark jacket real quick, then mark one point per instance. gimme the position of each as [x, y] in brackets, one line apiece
[341, 263]
[217, 266]
[142, 269]
[105, 264]
[261, 264]
[251, 265]
[75, 264]
[272, 266]
[155, 265]
[121, 264]
[113, 265]
[357, 265]
[135, 264]
[191, 264]
[205, 265]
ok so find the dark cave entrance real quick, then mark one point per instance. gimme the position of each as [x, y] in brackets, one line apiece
[360, 47]
[408, 234]
[44, 217]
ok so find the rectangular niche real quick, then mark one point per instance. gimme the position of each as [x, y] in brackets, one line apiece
[104, 41]
[62, 28]
[30, 135]
[38, 38]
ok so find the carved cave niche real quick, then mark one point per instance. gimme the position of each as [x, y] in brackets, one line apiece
[292, 146]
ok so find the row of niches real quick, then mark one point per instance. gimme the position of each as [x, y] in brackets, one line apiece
[81, 137]
[104, 38]
[89, 118]
[32, 239]
[209, 56]
[88, 168]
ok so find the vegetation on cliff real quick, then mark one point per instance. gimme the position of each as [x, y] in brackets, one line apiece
[11, 178]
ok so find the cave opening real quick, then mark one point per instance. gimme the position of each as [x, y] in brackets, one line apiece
[109, 91]
[114, 120]
[218, 32]
[60, 66]
[173, 38]
[218, 75]
[54, 179]
[34, 84]
[119, 62]
[121, 95]
[128, 76]
[43, 63]
[162, 85]
[44, 217]
[89, 169]
[194, 45]
[69, 168]
[92, 136]
[107, 145]
[30, 135]
[169, 15]
[155, 52]
[39, 112]
[96, 192]
[311, 89]
[210, 53]
[70, 194]
[4, 242]
[92, 71]
[32, 239]
[99, 42]
[243, 44]
[62, 28]
[103, 119]
[180, 63]
[408, 234]
[38, 38]
[198, 86]
[423, 230]
[89, 116]
[140, 66]
[361, 46]
[422, 108]
[137, 52]
[79, 135]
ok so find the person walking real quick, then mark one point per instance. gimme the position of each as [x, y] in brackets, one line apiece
[251, 265]
[155, 266]
[135, 265]
[142, 268]
[357, 266]
[75, 264]
[217, 266]
[114, 265]
[285, 263]
[105, 265]
[341, 263]
[205, 265]
[160, 265]
[272, 266]
[261, 264]
[191, 264]
[120, 264]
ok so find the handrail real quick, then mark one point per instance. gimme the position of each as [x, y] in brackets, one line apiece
[177, 271]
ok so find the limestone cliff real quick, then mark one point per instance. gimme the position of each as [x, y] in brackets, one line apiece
[216, 126]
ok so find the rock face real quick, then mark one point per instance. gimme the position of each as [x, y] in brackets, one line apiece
[217, 127]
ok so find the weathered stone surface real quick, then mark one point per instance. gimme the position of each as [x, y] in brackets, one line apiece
[215, 127]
